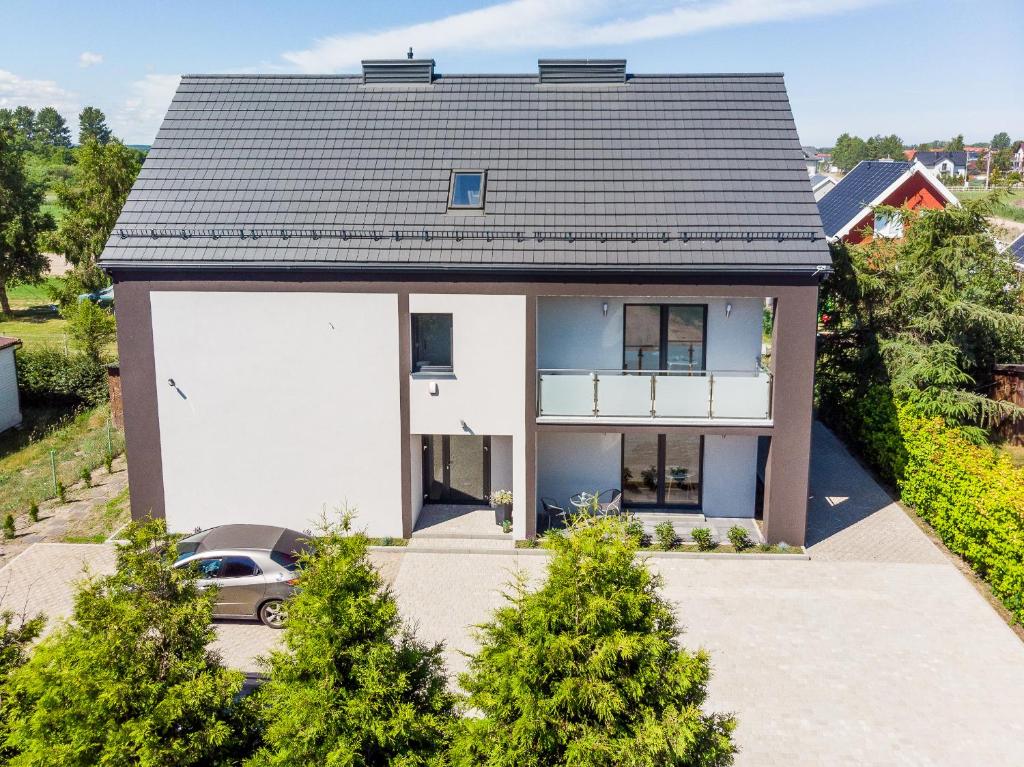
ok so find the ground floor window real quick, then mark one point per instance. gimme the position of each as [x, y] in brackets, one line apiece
[662, 469]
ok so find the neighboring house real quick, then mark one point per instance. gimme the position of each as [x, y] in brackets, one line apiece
[944, 163]
[810, 159]
[821, 185]
[405, 288]
[1018, 160]
[849, 208]
[10, 404]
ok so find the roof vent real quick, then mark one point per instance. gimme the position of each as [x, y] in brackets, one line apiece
[561, 71]
[398, 71]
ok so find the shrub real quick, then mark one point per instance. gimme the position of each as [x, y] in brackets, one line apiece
[62, 492]
[9, 531]
[587, 669]
[50, 376]
[86, 476]
[33, 512]
[352, 684]
[703, 538]
[17, 633]
[129, 680]
[739, 539]
[108, 463]
[91, 327]
[636, 532]
[665, 536]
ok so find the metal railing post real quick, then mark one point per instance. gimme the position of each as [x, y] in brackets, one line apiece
[654, 378]
[711, 394]
[593, 373]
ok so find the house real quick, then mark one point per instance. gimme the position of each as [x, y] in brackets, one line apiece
[404, 288]
[1018, 159]
[810, 159]
[1016, 251]
[849, 208]
[821, 185]
[944, 163]
[10, 403]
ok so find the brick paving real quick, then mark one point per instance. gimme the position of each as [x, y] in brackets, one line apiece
[876, 651]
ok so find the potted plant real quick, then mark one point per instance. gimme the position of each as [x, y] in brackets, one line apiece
[501, 502]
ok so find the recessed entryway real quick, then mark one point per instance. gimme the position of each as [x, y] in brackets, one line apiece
[456, 468]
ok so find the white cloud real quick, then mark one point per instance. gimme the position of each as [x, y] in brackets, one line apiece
[139, 118]
[556, 24]
[88, 59]
[18, 91]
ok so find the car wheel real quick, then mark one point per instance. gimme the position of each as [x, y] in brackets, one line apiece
[273, 613]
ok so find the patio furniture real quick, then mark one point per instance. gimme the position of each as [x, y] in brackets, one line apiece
[552, 512]
[609, 502]
[582, 500]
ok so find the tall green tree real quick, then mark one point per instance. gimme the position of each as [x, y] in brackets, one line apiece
[93, 199]
[352, 686]
[884, 147]
[956, 144]
[587, 670]
[17, 633]
[51, 130]
[92, 126]
[130, 679]
[1001, 141]
[90, 326]
[848, 151]
[928, 315]
[25, 123]
[21, 220]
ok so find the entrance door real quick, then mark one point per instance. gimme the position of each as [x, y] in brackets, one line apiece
[456, 468]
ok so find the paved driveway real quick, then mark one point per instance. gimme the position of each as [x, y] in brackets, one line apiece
[877, 651]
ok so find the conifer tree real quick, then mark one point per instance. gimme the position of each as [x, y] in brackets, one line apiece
[587, 669]
[129, 680]
[352, 686]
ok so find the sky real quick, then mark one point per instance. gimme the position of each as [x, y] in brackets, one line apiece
[923, 69]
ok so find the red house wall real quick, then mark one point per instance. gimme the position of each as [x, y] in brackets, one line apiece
[914, 193]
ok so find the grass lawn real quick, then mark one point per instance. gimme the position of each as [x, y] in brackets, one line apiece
[1004, 205]
[104, 521]
[35, 327]
[79, 439]
[25, 296]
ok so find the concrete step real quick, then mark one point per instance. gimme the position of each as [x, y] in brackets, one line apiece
[438, 543]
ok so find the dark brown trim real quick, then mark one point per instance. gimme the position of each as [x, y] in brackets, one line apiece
[404, 371]
[530, 411]
[138, 395]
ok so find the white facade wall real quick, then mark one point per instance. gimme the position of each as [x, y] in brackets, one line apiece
[486, 392]
[568, 463]
[416, 476]
[283, 405]
[730, 476]
[10, 409]
[574, 333]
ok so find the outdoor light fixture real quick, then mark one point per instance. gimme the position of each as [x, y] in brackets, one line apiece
[728, 309]
[170, 382]
[604, 308]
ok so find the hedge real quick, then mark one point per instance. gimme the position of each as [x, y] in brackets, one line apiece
[50, 376]
[969, 494]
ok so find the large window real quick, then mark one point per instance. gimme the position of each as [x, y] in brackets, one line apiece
[662, 470]
[660, 337]
[432, 343]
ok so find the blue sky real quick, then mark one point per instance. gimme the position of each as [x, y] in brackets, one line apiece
[924, 70]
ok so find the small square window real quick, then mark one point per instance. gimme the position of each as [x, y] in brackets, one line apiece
[467, 189]
[432, 343]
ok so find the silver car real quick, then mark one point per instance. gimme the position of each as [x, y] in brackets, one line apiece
[252, 566]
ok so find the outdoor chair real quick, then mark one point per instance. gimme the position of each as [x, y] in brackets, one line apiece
[552, 513]
[609, 502]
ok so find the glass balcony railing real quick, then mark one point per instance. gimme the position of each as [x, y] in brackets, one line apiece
[698, 395]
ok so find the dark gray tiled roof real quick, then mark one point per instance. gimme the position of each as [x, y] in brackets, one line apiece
[665, 172]
[857, 189]
[929, 158]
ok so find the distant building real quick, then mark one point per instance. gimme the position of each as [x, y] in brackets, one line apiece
[810, 159]
[944, 163]
[10, 405]
[1018, 159]
[821, 185]
[1016, 251]
[849, 209]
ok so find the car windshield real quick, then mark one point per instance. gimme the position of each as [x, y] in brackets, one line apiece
[186, 550]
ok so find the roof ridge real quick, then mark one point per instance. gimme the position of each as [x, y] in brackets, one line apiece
[465, 75]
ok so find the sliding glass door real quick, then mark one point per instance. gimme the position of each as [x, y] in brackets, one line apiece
[662, 470]
[664, 337]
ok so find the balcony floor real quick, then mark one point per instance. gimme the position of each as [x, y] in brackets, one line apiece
[611, 420]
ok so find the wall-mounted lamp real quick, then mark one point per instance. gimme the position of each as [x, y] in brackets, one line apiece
[432, 388]
[170, 382]
[604, 309]
[728, 309]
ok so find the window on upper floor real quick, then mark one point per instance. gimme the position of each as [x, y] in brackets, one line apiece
[432, 343]
[467, 190]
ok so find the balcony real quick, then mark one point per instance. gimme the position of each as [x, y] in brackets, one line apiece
[662, 396]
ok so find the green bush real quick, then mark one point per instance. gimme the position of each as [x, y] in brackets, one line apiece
[703, 538]
[665, 536]
[739, 539]
[33, 512]
[9, 530]
[587, 670]
[86, 476]
[50, 376]
[972, 498]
